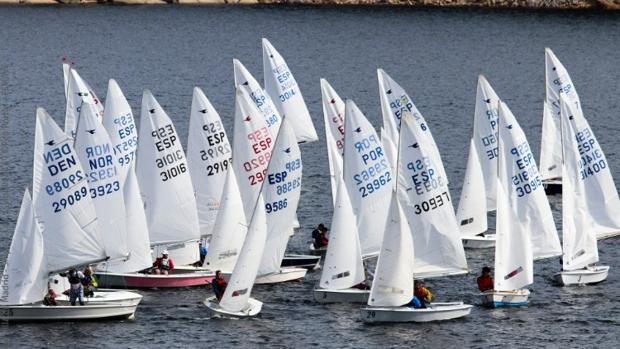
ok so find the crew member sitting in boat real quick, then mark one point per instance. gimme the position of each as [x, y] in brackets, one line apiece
[415, 302]
[219, 285]
[89, 283]
[319, 236]
[50, 297]
[163, 265]
[76, 292]
[485, 280]
[422, 293]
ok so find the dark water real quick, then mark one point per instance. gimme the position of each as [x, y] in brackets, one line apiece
[435, 54]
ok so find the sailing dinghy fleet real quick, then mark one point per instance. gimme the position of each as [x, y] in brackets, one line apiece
[109, 195]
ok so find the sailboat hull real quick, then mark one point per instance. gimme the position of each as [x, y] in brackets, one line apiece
[589, 276]
[498, 299]
[106, 296]
[349, 295]
[284, 275]
[301, 261]
[252, 309]
[474, 242]
[602, 236]
[138, 280]
[434, 312]
[67, 313]
[553, 186]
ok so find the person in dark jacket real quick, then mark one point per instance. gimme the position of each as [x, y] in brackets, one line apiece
[485, 281]
[219, 285]
[319, 236]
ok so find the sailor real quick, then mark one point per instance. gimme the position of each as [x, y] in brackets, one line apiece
[203, 252]
[50, 297]
[76, 292]
[219, 285]
[163, 265]
[485, 281]
[89, 283]
[422, 293]
[319, 236]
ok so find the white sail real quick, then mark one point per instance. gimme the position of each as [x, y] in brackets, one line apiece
[514, 258]
[485, 137]
[281, 192]
[333, 116]
[252, 145]
[578, 234]
[367, 176]
[96, 154]
[526, 196]
[557, 82]
[138, 241]
[426, 201]
[229, 230]
[550, 153]
[241, 281]
[61, 200]
[260, 98]
[393, 282]
[165, 183]
[209, 156]
[66, 71]
[118, 120]
[24, 279]
[601, 197]
[281, 86]
[472, 210]
[391, 151]
[394, 102]
[78, 92]
[343, 267]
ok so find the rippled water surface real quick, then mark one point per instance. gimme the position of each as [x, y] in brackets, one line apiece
[435, 54]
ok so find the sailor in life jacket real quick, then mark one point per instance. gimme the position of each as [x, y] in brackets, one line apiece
[75, 281]
[163, 265]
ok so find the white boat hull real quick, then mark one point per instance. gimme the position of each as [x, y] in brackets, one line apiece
[106, 296]
[252, 309]
[603, 236]
[349, 295]
[41, 312]
[434, 312]
[498, 299]
[284, 275]
[591, 275]
[486, 241]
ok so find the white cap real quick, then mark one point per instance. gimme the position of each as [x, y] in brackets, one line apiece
[164, 252]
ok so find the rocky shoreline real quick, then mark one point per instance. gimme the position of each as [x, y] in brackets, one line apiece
[525, 4]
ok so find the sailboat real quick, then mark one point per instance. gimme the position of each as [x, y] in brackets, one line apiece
[585, 185]
[481, 171]
[343, 267]
[524, 224]
[60, 228]
[281, 86]
[24, 281]
[119, 123]
[392, 287]
[209, 156]
[236, 301]
[168, 196]
[557, 82]
[281, 190]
